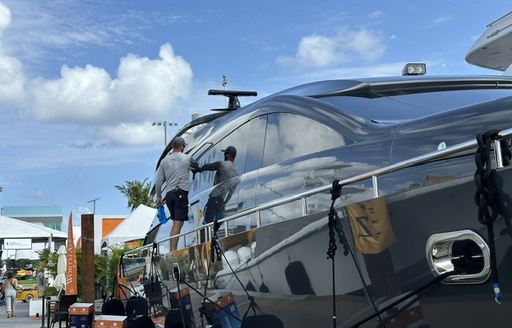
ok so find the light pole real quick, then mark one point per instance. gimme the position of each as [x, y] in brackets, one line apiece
[165, 124]
[94, 204]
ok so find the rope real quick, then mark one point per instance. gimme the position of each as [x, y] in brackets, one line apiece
[486, 198]
[331, 251]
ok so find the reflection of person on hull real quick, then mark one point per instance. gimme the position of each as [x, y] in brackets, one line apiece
[225, 182]
[174, 169]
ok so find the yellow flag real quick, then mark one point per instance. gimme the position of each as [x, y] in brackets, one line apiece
[371, 228]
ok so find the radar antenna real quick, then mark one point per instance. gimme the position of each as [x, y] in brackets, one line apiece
[232, 95]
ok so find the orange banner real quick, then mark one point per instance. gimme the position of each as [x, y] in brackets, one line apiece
[71, 270]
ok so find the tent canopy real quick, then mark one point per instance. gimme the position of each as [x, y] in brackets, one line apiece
[133, 227]
[20, 229]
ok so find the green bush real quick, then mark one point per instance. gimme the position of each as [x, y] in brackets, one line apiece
[105, 266]
[50, 291]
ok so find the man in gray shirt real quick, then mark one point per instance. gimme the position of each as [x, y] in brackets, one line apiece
[225, 182]
[174, 169]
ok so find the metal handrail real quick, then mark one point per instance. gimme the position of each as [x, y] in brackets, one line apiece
[372, 174]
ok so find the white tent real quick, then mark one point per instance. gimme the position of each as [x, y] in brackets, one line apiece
[133, 227]
[22, 239]
[13, 228]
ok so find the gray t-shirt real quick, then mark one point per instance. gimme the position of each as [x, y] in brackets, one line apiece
[226, 177]
[174, 169]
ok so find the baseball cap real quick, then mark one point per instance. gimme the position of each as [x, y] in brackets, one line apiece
[230, 150]
[178, 142]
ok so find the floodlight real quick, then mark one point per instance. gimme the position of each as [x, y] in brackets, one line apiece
[414, 69]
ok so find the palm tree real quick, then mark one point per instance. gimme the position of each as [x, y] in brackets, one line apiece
[137, 193]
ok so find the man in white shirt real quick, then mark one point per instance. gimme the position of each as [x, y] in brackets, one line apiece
[174, 169]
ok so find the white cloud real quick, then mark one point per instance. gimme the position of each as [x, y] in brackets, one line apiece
[114, 107]
[319, 51]
[12, 78]
[132, 133]
[149, 88]
[5, 16]
[367, 44]
[80, 95]
[66, 24]
[143, 88]
[323, 51]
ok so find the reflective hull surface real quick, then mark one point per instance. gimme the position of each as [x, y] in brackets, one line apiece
[285, 267]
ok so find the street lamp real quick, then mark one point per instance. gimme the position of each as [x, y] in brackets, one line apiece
[94, 204]
[165, 124]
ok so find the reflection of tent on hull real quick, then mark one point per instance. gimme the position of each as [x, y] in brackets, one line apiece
[39, 235]
[134, 227]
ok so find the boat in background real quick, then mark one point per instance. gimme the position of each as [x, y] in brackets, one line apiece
[493, 48]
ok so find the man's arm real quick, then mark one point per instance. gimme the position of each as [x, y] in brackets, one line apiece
[210, 166]
[160, 177]
[194, 165]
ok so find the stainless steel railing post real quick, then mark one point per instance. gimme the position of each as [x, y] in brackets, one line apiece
[375, 183]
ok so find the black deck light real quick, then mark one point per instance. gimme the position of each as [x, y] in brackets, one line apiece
[414, 69]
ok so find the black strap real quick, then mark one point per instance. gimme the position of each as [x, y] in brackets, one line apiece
[252, 306]
[331, 251]
[335, 228]
[486, 198]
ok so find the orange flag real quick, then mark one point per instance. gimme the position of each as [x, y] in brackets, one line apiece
[71, 270]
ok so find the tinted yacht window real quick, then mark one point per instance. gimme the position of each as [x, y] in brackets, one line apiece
[248, 141]
[289, 135]
[410, 106]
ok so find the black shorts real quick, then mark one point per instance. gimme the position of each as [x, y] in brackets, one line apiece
[177, 203]
[214, 209]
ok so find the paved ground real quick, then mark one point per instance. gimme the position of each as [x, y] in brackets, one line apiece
[21, 320]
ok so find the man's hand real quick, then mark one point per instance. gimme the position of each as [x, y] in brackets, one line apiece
[195, 169]
[159, 201]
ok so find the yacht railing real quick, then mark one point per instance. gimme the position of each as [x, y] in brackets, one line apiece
[373, 175]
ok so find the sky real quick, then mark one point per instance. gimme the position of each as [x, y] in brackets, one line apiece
[81, 81]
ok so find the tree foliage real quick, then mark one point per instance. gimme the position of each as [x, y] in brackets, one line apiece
[105, 266]
[47, 260]
[137, 193]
